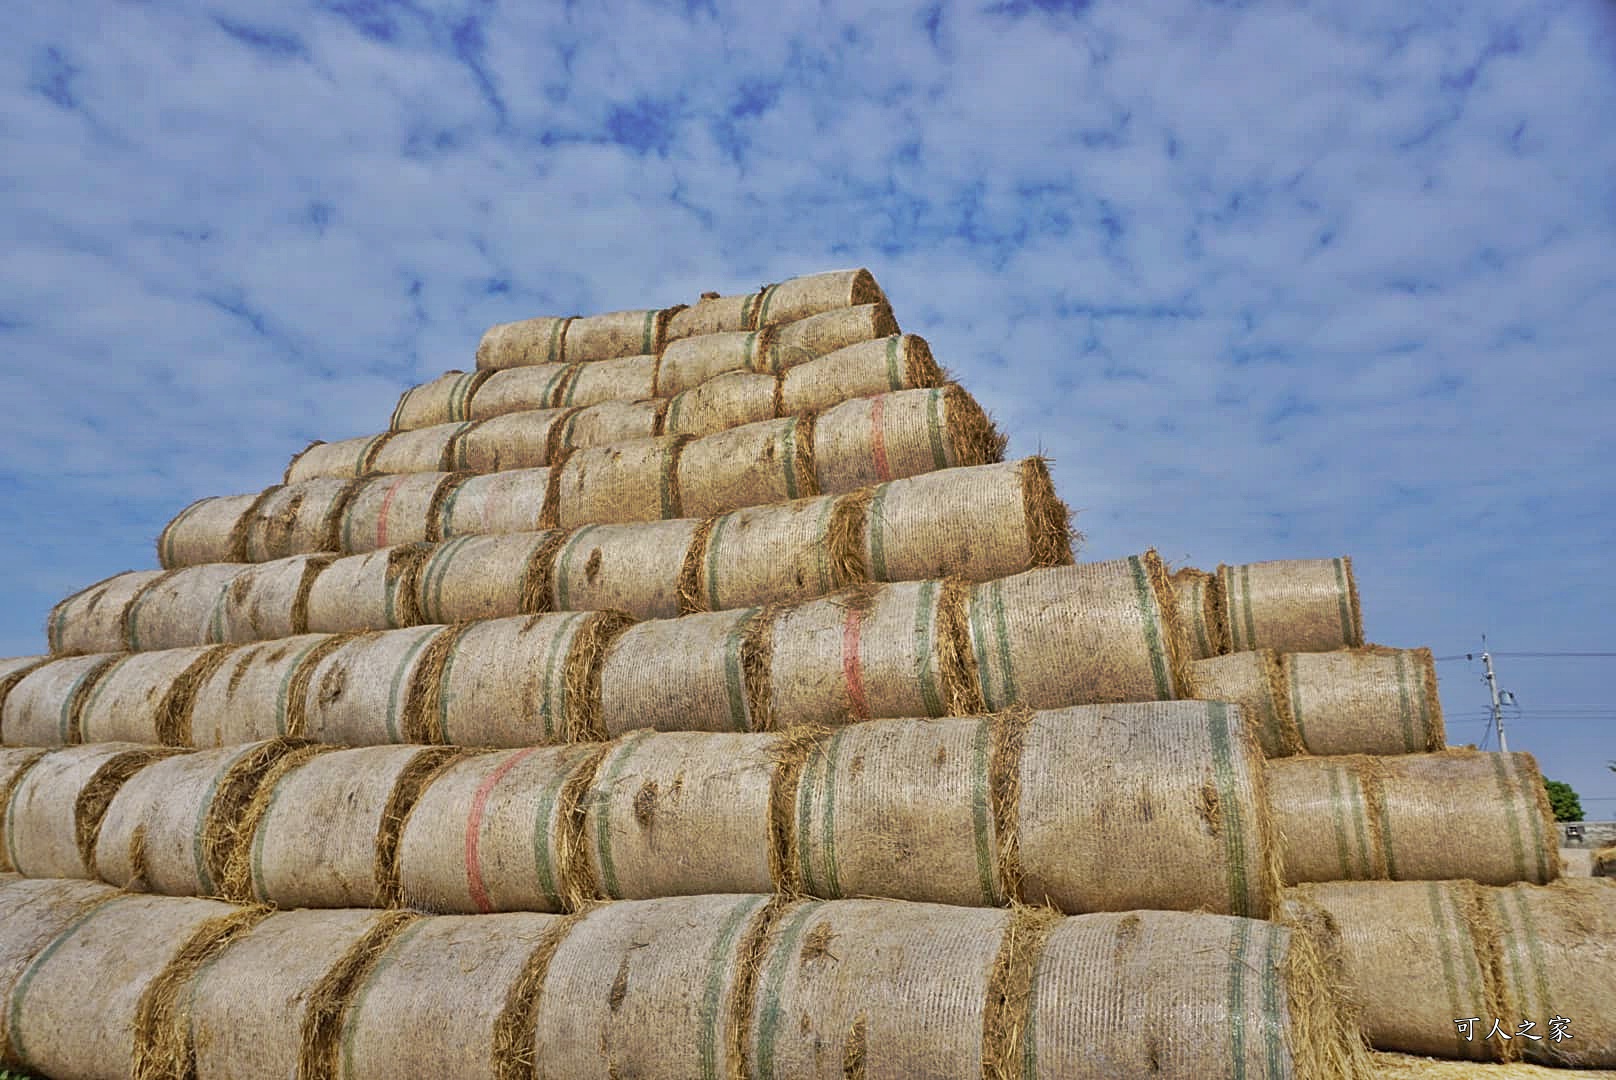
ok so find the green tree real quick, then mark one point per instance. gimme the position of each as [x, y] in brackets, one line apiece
[1563, 800]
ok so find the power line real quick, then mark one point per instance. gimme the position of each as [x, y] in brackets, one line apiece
[1534, 655]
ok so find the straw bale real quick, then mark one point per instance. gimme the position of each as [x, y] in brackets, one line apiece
[203, 532]
[133, 700]
[898, 362]
[523, 343]
[609, 422]
[1088, 634]
[1327, 816]
[343, 460]
[485, 577]
[1604, 862]
[726, 401]
[523, 389]
[809, 338]
[360, 693]
[1255, 681]
[752, 465]
[488, 834]
[15, 669]
[887, 990]
[981, 523]
[679, 814]
[179, 609]
[906, 433]
[34, 913]
[46, 705]
[814, 294]
[615, 334]
[55, 808]
[445, 400]
[713, 314]
[296, 519]
[626, 378]
[632, 481]
[1388, 1066]
[78, 1008]
[1557, 957]
[769, 553]
[427, 449]
[634, 568]
[691, 362]
[1298, 605]
[91, 620]
[516, 440]
[257, 693]
[1178, 822]
[1365, 701]
[681, 674]
[644, 988]
[14, 765]
[511, 501]
[379, 590]
[268, 600]
[1199, 599]
[388, 510]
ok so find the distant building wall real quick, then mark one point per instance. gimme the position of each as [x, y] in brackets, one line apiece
[1595, 834]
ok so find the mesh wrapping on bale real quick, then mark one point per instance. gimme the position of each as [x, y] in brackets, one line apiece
[486, 577]
[344, 459]
[33, 914]
[378, 590]
[294, 519]
[520, 390]
[387, 510]
[635, 568]
[178, 609]
[427, 449]
[518, 440]
[752, 465]
[203, 532]
[871, 440]
[628, 378]
[1255, 681]
[517, 500]
[1299, 605]
[144, 697]
[606, 423]
[616, 333]
[359, 694]
[258, 692]
[730, 400]
[694, 362]
[1416, 817]
[267, 600]
[91, 620]
[682, 674]
[1365, 701]
[767, 554]
[523, 343]
[713, 314]
[445, 400]
[45, 706]
[809, 338]
[899, 362]
[632, 481]
[14, 765]
[815, 294]
[1199, 598]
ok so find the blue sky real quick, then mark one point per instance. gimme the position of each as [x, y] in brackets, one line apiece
[1267, 280]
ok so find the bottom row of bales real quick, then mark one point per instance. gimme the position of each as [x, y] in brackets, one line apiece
[99, 983]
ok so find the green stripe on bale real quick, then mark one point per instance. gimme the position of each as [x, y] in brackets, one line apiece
[769, 1010]
[1445, 945]
[934, 428]
[734, 673]
[1249, 617]
[1534, 945]
[874, 526]
[788, 458]
[204, 877]
[552, 353]
[1405, 715]
[102, 674]
[20, 1052]
[552, 657]
[1296, 701]
[712, 995]
[827, 821]
[1239, 940]
[926, 647]
[284, 689]
[602, 798]
[1341, 602]
[1338, 806]
[1234, 826]
[648, 336]
[1153, 637]
[713, 563]
[541, 840]
[822, 547]
[665, 479]
[400, 677]
[445, 698]
[1504, 770]
[564, 567]
[357, 1003]
[1273, 1027]
[981, 811]
[894, 375]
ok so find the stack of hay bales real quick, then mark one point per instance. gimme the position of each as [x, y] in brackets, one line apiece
[697, 692]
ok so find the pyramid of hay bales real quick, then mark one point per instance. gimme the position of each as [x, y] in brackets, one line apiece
[697, 692]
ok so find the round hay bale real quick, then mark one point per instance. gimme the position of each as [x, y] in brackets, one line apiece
[689, 363]
[809, 338]
[685, 674]
[713, 314]
[645, 988]
[1200, 611]
[634, 568]
[1088, 634]
[723, 402]
[327, 831]
[607, 423]
[388, 510]
[179, 609]
[1178, 822]
[518, 440]
[14, 669]
[524, 389]
[891, 436]
[616, 334]
[297, 519]
[268, 600]
[512, 501]
[34, 913]
[679, 814]
[1604, 862]
[91, 620]
[981, 522]
[1255, 681]
[1297, 605]
[632, 481]
[1327, 819]
[486, 577]
[433, 1002]
[342, 460]
[892, 650]
[428, 449]
[815, 294]
[752, 465]
[203, 532]
[864, 369]
[626, 378]
[765, 554]
[491, 833]
[1365, 701]
[360, 694]
[519, 681]
[143, 697]
[1388, 1066]
[375, 591]
[445, 400]
[257, 693]
[523, 343]
[14, 765]
[888, 990]
[45, 706]
[53, 815]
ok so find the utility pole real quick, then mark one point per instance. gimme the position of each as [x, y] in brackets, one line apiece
[1498, 710]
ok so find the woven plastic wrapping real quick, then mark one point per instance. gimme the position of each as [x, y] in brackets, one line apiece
[423, 450]
[725, 401]
[14, 765]
[609, 422]
[433, 1003]
[259, 692]
[203, 532]
[627, 378]
[616, 333]
[387, 510]
[1078, 635]
[445, 400]
[809, 338]
[374, 591]
[517, 440]
[183, 608]
[980, 523]
[1416, 817]
[678, 814]
[635, 568]
[632, 481]
[54, 814]
[295, 519]
[91, 620]
[1557, 949]
[813, 294]
[682, 674]
[906, 433]
[140, 697]
[523, 343]
[1299, 605]
[713, 314]
[522, 389]
[1365, 701]
[512, 501]
[864, 369]
[14, 669]
[360, 693]
[268, 600]
[1199, 598]
[695, 361]
[1255, 681]
[33, 914]
[484, 577]
[645, 988]
[767, 554]
[344, 459]
[46, 705]
[490, 833]
[752, 465]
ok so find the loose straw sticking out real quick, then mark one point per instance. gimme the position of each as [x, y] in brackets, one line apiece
[1009, 996]
[163, 1042]
[440, 495]
[513, 1031]
[581, 673]
[791, 752]
[1178, 650]
[844, 537]
[297, 687]
[1486, 936]
[312, 568]
[286, 477]
[93, 799]
[331, 996]
[757, 652]
[1050, 536]
[962, 682]
[425, 692]
[405, 564]
[576, 883]
[236, 539]
[1324, 1041]
[179, 700]
[976, 439]
[691, 598]
[538, 579]
[420, 772]
[1216, 614]
[221, 827]
[749, 960]
[235, 845]
[12, 678]
[1004, 793]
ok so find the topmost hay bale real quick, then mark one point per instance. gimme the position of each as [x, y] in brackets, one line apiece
[523, 343]
[1295, 605]
[444, 400]
[808, 339]
[714, 314]
[814, 294]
